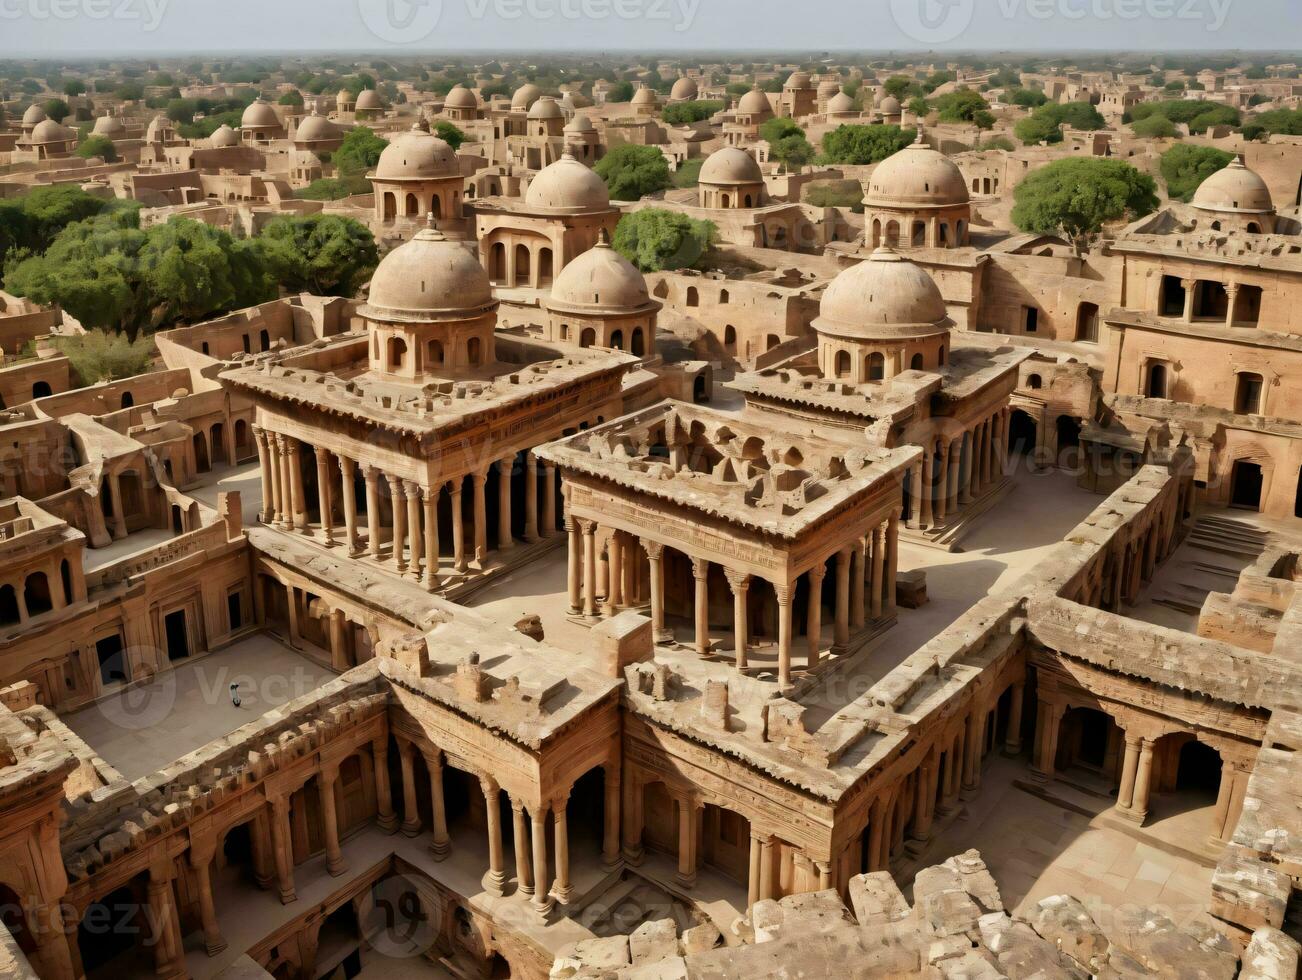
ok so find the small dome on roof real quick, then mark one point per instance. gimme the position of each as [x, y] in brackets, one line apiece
[158, 129]
[580, 124]
[890, 106]
[886, 297]
[460, 97]
[34, 114]
[1234, 188]
[545, 107]
[315, 128]
[259, 114]
[223, 135]
[600, 278]
[525, 96]
[798, 79]
[917, 175]
[368, 98]
[730, 165]
[828, 88]
[840, 103]
[684, 89]
[645, 96]
[50, 131]
[429, 275]
[110, 126]
[754, 102]
[567, 185]
[416, 155]
[344, 96]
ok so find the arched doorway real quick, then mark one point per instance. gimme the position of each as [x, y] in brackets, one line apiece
[1022, 432]
[1245, 485]
[1068, 442]
[1087, 323]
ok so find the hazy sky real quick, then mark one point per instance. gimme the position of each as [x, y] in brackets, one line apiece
[54, 27]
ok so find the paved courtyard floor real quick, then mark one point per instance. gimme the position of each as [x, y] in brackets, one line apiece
[138, 730]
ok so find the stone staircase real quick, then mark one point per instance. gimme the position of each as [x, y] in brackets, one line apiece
[1227, 536]
[1215, 551]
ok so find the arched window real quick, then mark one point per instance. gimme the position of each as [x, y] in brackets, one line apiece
[412, 206]
[435, 206]
[1087, 323]
[434, 354]
[693, 298]
[638, 345]
[522, 265]
[617, 339]
[264, 340]
[497, 262]
[36, 594]
[41, 389]
[126, 401]
[723, 296]
[746, 201]
[1247, 394]
[730, 338]
[1033, 381]
[1156, 387]
[842, 364]
[588, 337]
[473, 353]
[725, 201]
[915, 362]
[876, 367]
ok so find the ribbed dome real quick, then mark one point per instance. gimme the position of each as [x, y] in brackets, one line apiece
[460, 97]
[525, 96]
[730, 166]
[1234, 188]
[545, 108]
[890, 106]
[600, 278]
[50, 131]
[260, 115]
[917, 175]
[416, 155]
[567, 185]
[110, 126]
[645, 96]
[223, 135]
[828, 89]
[684, 89]
[429, 275]
[315, 128]
[754, 102]
[886, 297]
[368, 98]
[34, 114]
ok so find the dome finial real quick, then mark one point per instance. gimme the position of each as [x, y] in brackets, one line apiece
[603, 239]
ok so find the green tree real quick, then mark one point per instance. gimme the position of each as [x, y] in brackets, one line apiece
[1030, 98]
[964, 106]
[129, 92]
[688, 173]
[686, 113]
[865, 144]
[1077, 196]
[326, 189]
[835, 194]
[1154, 127]
[632, 172]
[292, 97]
[357, 155]
[74, 87]
[620, 92]
[97, 146]
[98, 355]
[1044, 125]
[323, 254]
[792, 151]
[31, 222]
[1185, 166]
[57, 110]
[902, 87]
[1285, 121]
[1195, 113]
[776, 128]
[655, 239]
[449, 134]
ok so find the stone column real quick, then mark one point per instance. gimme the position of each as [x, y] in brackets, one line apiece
[520, 839]
[326, 780]
[273, 506]
[767, 884]
[756, 863]
[1047, 719]
[296, 486]
[927, 489]
[574, 567]
[972, 752]
[878, 571]
[440, 843]
[988, 455]
[372, 477]
[264, 469]
[1190, 290]
[941, 507]
[286, 494]
[1232, 307]
[495, 876]
[459, 561]
[1129, 770]
[560, 831]
[504, 540]
[212, 937]
[814, 613]
[784, 595]
[1143, 782]
[614, 573]
[1013, 733]
[542, 898]
[892, 561]
[631, 818]
[974, 464]
[924, 794]
[686, 874]
[530, 498]
[549, 500]
[610, 817]
[841, 633]
[385, 818]
[740, 585]
[324, 503]
[479, 483]
[169, 958]
[915, 496]
[410, 815]
[954, 469]
[858, 583]
[119, 517]
[412, 492]
[655, 553]
[347, 470]
[398, 505]
[589, 530]
[431, 498]
[701, 572]
[282, 849]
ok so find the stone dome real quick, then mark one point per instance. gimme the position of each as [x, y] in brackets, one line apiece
[828, 88]
[567, 185]
[368, 98]
[840, 103]
[644, 96]
[580, 124]
[259, 115]
[223, 135]
[754, 102]
[158, 127]
[460, 97]
[34, 114]
[798, 79]
[343, 96]
[730, 166]
[600, 278]
[525, 96]
[545, 107]
[50, 131]
[110, 126]
[917, 176]
[316, 128]
[886, 297]
[429, 276]
[416, 155]
[684, 89]
[1234, 188]
[890, 106]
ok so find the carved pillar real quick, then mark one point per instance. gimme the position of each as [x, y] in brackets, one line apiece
[326, 781]
[768, 885]
[1129, 770]
[504, 540]
[687, 838]
[560, 831]
[410, 815]
[784, 634]
[324, 503]
[347, 469]
[282, 849]
[439, 843]
[1143, 782]
[878, 571]
[589, 530]
[1190, 290]
[610, 817]
[264, 470]
[941, 506]
[479, 483]
[614, 573]
[892, 561]
[274, 506]
[927, 488]
[412, 492]
[296, 486]
[212, 936]
[915, 496]
[841, 633]
[814, 613]
[372, 477]
[520, 840]
[972, 752]
[286, 483]
[1047, 720]
[740, 585]
[954, 467]
[701, 572]
[495, 876]
[549, 500]
[858, 583]
[169, 958]
[385, 818]
[631, 815]
[530, 498]
[459, 561]
[431, 498]
[756, 859]
[655, 553]
[542, 899]
[398, 504]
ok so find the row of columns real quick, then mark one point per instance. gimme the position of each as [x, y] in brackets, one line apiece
[968, 465]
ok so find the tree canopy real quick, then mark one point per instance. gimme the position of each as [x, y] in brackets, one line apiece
[632, 171]
[31, 222]
[99, 355]
[57, 110]
[1196, 113]
[686, 113]
[655, 239]
[865, 144]
[357, 155]
[1185, 166]
[1077, 196]
[450, 134]
[964, 105]
[323, 254]
[97, 146]
[1044, 125]
[1154, 128]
